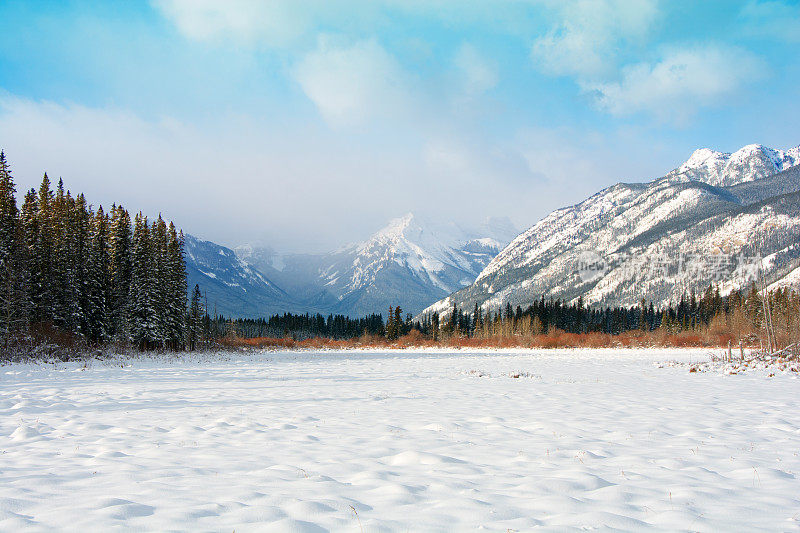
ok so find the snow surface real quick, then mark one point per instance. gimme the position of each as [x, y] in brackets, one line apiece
[400, 441]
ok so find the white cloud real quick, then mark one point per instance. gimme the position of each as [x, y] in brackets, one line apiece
[283, 22]
[273, 22]
[589, 34]
[772, 20]
[477, 73]
[353, 84]
[683, 81]
[294, 184]
[299, 186]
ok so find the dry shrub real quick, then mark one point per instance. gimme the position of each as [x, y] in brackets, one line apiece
[330, 344]
[415, 338]
[685, 339]
[46, 333]
[258, 342]
[716, 336]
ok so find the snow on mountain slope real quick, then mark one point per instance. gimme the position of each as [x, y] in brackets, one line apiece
[411, 262]
[432, 251]
[674, 215]
[751, 162]
[232, 286]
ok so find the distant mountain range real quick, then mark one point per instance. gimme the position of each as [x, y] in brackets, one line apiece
[715, 205]
[411, 262]
[658, 239]
[231, 286]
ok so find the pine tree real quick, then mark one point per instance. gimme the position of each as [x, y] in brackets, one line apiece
[43, 253]
[79, 238]
[160, 282]
[13, 296]
[8, 210]
[398, 322]
[176, 308]
[98, 287]
[63, 280]
[142, 318]
[195, 320]
[120, 267]
[29, 226]
[390, 325]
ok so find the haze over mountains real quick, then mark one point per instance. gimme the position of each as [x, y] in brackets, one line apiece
[716, 205]
[411, 262]
[745, 203]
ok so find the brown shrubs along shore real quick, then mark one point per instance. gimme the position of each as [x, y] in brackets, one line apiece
[552, 339]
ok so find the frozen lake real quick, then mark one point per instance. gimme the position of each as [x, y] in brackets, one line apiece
[401, 441]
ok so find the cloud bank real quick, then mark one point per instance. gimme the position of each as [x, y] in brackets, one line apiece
[681, 82]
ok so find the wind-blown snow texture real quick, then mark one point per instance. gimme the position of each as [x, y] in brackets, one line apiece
[743, 203]
[408, 441]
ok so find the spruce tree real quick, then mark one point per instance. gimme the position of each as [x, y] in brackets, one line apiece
[195, 320]
[142, 318]
[160, 282]
[176, 308]
[13, 297]
[80, 253]
[390, 324]
[44, 285]
[120, 267]
[398, 322]
[98, 280]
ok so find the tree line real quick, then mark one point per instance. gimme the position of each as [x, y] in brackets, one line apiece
[298, 326]
[76, 274]
[741, 313]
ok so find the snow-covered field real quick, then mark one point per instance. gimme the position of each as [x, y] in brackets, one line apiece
[401, 441]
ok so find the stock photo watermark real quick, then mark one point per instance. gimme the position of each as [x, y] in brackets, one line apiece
[591, 265]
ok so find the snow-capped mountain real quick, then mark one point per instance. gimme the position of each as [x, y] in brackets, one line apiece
[231, 286]
[715, 206]
[411, 262]
[752, 162]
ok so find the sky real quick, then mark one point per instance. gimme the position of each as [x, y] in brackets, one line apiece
[307, 124]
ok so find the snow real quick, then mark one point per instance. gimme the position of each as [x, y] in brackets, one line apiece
[791, 280]
[669, 216]
[746, 164]
[434, 251]
[407, 440]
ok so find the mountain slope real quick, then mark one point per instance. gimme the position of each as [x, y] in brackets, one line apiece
[629, 228]
[231, 286]
[411, 263]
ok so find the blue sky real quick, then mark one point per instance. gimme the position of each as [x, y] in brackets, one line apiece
[305, 124]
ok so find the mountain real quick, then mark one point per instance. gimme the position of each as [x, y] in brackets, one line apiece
[752, 162]
[411, 262]
[655, 240]
[231, 286]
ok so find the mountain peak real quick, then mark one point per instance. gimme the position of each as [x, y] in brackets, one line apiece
[722, 169]
[701, 157]
[396, 226]
[622, 227]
